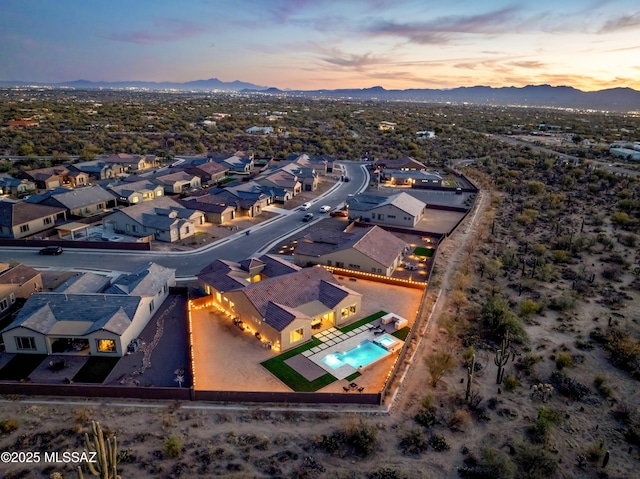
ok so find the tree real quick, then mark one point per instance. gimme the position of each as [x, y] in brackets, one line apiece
[439, 363]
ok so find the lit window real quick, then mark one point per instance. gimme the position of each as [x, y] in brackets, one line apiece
[106, 345]
[296, 335]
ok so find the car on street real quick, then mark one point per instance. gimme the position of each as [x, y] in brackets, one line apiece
[51, 250]
[325, 209]
[305, 206]
[340, 213]
[308, 217]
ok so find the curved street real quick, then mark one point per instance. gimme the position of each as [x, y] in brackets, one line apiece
[187, 263]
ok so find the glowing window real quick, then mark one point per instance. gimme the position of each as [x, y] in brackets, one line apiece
[296, 335]
[106, 345]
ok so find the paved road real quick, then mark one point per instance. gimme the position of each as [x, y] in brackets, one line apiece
[236, 247]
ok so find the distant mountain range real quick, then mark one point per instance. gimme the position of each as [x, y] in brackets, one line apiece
[614, 99]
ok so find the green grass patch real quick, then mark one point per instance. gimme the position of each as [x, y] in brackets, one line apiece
[353, 376]
[21, 366]
[357, 324]
[420, 251]
[449, 184]
[290, 376]
[402, 333]
[95, 370]
[224, 181]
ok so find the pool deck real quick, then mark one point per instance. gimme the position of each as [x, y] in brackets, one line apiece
[335, 341]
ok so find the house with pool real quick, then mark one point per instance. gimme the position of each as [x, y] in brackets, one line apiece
[278, 301]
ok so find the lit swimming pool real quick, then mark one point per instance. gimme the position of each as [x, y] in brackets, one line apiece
[362, 355]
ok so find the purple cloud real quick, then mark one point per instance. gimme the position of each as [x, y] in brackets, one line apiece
[441, 30]
[165, 30]
[625, 22]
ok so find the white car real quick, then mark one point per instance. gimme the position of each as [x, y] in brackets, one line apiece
[305, 206]
[325, 209]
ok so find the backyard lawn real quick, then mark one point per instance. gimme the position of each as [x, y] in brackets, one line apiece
[420, 251]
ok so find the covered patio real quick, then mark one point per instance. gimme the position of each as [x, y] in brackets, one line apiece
[71, 229]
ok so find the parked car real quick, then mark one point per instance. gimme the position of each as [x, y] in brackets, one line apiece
[305, 206]
[51, 250]
[308, 217]
[325, 209]
[458, 191]
[341, 213]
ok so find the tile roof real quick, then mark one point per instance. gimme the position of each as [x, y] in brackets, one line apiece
[296, 289]
[375, 243]
[80, 197]
[403, 201]
[83, 283]
[279, 316]
[126, 189]
[42, 311]
[19, 274]
[154, 213]
[146, 280]
[13, 214]
[172, 178]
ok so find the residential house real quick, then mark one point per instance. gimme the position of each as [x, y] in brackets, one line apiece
[47, 178]
[386, 126]
[132, 163]
[321, 164]
[84, 283]
[371, 250]
[82, 202]
[252, 197]
[411, 177]
[283, 179]
[18, 282]
[307, 176]
[14, 186]
[22, 219]
[178, 182]
[260, 130]
[398, 210]
[103, 324]
[404, 164]
[209, 173]
[98, 170]
[236, 163]
[136, 192]
[164, 219]
[216, 211]
[284, 305]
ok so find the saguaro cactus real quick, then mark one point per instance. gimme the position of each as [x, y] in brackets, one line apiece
[470, 370]
[105, 466]
[502, 357]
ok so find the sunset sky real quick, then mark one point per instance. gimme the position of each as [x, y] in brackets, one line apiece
[312, 44]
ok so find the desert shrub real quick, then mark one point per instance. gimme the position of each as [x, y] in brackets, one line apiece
[624, 350]
[629, 240]
[541, 429]
[599, 383]
[569, 387]
[560, 255]
[414, 442]
[439, 443]
[564, 302]
[386, 473]
[612, 273]
[359, 437]
[534, 462]
[511, 383]
[527, 362]
[492, 464]
[8, 425]
[172, 446]
[529, 307]
[564, 360]
[459, 420]
[468, 353]
[426, 416]
[595, 452]
[82, 415]
[439, 363]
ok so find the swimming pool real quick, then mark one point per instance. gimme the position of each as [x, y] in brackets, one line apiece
[362, 355]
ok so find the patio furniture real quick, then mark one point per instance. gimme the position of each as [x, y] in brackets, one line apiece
[353, 385]
[360, 389]
[346, 389]
[400, 323]
[378, 332]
